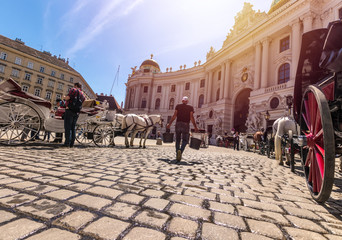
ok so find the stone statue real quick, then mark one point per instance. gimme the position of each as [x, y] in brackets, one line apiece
[253, 122]
[134, 69]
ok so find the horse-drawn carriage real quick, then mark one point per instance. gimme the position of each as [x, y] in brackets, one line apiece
[318, 107]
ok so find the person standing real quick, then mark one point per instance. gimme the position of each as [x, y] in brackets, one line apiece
[236, 140]
[73, 106]
[184, 114]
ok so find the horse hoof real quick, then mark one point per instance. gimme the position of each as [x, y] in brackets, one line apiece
[281, 163]
[144, 146]
[287, 163]
[127, 146]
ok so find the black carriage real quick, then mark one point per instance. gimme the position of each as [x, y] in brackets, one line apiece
[317, 107]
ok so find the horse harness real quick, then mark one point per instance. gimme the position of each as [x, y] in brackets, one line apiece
[145, 127]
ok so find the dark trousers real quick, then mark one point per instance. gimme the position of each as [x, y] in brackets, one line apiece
[70, 119]
[182, 133]
[236, 144]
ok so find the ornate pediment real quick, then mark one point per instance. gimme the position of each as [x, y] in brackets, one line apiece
[244, 20]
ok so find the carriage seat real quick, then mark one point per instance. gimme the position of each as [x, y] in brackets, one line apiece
[11, 87]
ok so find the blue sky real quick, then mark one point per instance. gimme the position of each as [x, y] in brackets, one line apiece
[99, 35]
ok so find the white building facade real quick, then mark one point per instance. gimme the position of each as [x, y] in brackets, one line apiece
[252, 73]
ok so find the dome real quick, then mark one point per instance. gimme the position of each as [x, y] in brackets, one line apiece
[150, 65]
[150, 62]
[277, 4]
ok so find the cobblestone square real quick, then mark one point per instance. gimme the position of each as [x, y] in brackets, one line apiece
[118, 193]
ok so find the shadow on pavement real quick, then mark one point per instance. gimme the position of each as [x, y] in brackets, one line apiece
[174, 161]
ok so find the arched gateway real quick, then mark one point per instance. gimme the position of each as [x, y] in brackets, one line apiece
[240, 111]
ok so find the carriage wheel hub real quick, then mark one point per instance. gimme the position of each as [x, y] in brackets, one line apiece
[15, 124]
[310, 140]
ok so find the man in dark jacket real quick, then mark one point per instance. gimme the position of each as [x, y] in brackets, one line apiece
[71, 116]
[184, 113]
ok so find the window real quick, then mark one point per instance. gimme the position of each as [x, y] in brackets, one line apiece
[172, 104]
[15, 72]
[274, 103]
[30, 65]
[69, 88]
[53, 73]
[187, 86]
[284, 73]
[200, 100]
[157, 104]
[145, 89]
[219, 75]
[3, 56]
[284, 44]
[2, 68]
[173, 88]
[218, 94]
[58, 96]
[159, 88]
[42, 69]
[37, 92]
[62, 76]
[17, 60]
[143, 103]
[40, 80]
[60, 86]
[25, 88]
[48, 95]
[51, 83]
[202, 83]
[28, 76]
[71, 80]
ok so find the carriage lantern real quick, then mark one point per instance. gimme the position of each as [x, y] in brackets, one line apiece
[267, 115]
[289, 101]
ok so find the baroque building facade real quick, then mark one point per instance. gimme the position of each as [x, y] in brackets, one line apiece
[253, 73]
[38, 73]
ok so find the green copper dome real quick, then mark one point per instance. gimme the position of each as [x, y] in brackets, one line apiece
[277, 4]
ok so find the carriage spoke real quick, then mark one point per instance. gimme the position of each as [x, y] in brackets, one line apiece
[318, 136]
[320, 162]
[312, 111]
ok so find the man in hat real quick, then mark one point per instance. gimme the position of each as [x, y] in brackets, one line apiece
[184, 113]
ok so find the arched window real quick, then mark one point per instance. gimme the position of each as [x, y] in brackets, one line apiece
[200, 100]
[172, 104]
[218, 94]
[157, 104]
[284, 73]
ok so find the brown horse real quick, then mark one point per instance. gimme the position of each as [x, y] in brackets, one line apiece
[257, 137]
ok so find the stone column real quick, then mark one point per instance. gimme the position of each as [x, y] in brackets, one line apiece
[127, 98]
[295, 47]
[166, 97]
[227, 81]
[264, 64]
[307, 22]
[206, 88]
[223, 67]
[137, 95]
[210, 86]
[257, 65]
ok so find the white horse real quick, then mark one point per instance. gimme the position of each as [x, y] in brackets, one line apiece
[281, 127]
[134, 123]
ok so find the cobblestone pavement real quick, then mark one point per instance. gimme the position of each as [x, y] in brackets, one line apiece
[54, 193]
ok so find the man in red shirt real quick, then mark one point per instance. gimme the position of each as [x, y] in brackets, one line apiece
[71, 116]
[184, 113]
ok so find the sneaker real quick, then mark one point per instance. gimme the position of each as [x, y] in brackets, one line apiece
[179, 155]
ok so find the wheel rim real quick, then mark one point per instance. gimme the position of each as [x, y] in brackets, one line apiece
[103, 136]
[19, 123]
[82, 132]
[318, 156]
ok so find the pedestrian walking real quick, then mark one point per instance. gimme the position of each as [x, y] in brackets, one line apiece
[73, 106]
[184, 114]
[236, 140]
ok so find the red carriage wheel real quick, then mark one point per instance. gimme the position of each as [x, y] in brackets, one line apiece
[318, 156]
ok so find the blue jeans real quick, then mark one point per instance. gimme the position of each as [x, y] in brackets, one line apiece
[70, 119]
[182, 132]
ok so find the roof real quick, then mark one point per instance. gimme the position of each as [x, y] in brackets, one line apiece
[113, 104]
[45, 56]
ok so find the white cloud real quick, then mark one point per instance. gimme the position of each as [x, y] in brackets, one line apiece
[105, 16]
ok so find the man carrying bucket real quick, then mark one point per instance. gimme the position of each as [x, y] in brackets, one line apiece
[184, 113]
